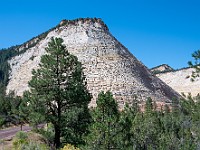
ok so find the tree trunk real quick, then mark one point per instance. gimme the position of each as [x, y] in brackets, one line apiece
[57, 136]
[21, 125]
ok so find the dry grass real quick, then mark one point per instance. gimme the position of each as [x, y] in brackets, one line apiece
[7, 144]
[38, 138]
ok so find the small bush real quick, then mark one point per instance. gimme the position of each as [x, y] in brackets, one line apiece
[32, 58]
[2, 121]
[34, 146]
[70, 147]
[20, 139]
[21, 135]
[48, 133]
[29, 141]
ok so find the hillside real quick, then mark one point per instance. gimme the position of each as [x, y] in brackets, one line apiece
[108, 64]
[180, 81]
[161, 69]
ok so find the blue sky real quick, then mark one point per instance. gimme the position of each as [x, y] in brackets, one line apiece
[155, 31]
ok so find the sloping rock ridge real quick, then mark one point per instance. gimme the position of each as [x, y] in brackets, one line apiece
[108, 64]
[161, 69]
[180, 81]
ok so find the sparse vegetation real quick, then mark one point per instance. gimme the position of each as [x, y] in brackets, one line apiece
[32, 58]
[83, 20]
[24, 141]
[158, 71]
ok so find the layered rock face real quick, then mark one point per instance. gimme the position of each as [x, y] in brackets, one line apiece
[108, 64]
[180, 81]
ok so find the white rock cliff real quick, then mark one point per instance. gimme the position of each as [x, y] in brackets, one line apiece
[108, 64]
[180, 81]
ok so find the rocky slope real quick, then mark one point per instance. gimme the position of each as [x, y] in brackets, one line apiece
[180, 81]
[161, 69]
[108, 64]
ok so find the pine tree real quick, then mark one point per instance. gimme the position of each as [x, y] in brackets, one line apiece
[196, 64]
[126, 136]
[58, 94]
[9, 108]
[104, 128]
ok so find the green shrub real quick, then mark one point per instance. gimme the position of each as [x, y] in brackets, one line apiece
[19, 140]
[23, 141]
[21, 135]
[2, 121]
[34, 146]
[48, 133]
[69, 147]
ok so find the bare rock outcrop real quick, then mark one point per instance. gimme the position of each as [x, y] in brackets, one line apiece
[161, 69]
[180, 81]
[108, 64]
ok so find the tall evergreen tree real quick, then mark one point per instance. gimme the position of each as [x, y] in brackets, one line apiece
[58, 93]
[126, 136]
[9, 108]
[104, 128]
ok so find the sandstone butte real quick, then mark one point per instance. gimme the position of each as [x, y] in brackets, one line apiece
[108, 64]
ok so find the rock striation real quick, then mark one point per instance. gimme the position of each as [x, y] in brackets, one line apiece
[108, 64]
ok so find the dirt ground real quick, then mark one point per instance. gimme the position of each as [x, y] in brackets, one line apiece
[6, 144]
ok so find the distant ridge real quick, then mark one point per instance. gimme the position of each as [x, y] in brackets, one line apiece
[161, 69]
[156, 70]
[180, 80]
